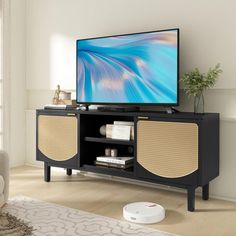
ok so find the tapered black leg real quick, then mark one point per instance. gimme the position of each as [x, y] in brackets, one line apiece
[191, 199]
[69, 172]
[205, 192]
[47, 172]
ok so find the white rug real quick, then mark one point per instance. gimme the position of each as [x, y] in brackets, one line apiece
[54, 220]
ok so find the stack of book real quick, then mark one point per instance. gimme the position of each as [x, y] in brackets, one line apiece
[116, 162]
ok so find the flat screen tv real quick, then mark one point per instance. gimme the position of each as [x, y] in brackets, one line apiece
[135, 69]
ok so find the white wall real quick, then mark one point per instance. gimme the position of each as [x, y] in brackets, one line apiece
[17, 92]
[207, 33]
[208, 36]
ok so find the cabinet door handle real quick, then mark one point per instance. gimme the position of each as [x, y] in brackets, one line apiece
[70, 114]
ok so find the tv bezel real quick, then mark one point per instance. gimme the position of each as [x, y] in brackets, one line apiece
[128, 103]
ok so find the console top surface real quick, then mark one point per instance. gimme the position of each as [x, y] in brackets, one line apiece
[157, 114]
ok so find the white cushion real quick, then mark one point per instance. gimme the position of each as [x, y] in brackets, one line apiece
[1, 184]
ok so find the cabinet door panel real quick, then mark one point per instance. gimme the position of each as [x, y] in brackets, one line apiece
[167, 149]
[57, 137]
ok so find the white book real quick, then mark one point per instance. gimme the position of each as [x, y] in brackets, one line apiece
[129, 123]
[121, 132]
[116, 160]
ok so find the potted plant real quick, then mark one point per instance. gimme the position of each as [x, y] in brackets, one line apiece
[196, 82]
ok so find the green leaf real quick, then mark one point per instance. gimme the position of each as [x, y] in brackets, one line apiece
[196, 82]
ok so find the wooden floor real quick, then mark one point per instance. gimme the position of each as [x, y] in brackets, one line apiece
[107, 197]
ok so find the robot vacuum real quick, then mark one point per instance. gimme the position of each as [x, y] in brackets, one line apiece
[144, 212]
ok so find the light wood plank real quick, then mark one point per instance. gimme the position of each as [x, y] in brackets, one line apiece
[107, 197]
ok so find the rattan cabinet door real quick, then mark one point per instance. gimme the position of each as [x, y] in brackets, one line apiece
[57, 137]
[167, 149]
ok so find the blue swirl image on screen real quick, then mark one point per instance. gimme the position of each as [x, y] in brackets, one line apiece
[138, 68]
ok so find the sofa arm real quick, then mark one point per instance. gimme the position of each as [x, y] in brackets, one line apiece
[4, 171]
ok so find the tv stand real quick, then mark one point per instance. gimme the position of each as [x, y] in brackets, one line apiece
[171, 110]
[118, 109]
[83, 107]
[179, 149]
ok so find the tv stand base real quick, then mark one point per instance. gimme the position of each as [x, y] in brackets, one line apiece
[118, 109]
[83, 107]
[171, 110]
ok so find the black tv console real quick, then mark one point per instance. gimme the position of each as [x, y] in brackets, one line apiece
[180, 149]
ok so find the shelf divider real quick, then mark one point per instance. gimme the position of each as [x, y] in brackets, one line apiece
[109, 140]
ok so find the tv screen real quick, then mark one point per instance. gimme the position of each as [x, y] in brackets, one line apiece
[137, 68]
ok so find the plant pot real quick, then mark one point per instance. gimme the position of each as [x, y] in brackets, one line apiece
[199, 104]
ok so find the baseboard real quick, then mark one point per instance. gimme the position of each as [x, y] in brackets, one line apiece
[37, 164]
[222, 198]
